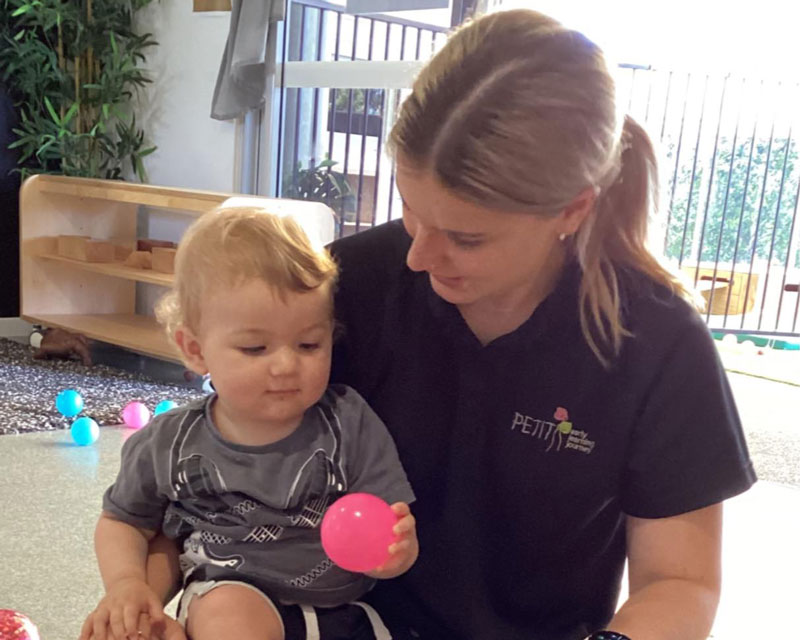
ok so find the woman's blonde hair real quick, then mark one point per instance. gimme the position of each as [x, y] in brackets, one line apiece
[518, 113]
[226, 247]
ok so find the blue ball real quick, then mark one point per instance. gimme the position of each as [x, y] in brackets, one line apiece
[165, 405]
[84, 431]
[69, 403]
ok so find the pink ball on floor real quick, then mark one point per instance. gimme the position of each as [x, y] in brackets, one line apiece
[135, 415]
[16, 626]
[357, 531]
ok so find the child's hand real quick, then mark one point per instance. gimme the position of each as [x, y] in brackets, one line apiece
[130, 609]
[169, 630]
[404, 552]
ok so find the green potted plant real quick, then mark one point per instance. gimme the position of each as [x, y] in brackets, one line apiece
[72, 68]
[319, 183]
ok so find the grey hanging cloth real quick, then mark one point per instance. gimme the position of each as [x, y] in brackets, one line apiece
[242, 79]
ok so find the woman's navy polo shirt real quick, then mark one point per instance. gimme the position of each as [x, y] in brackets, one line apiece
[526, 454]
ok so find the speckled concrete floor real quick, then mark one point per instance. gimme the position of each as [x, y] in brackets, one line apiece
[50, 497]
[51, 489]
[770, 413]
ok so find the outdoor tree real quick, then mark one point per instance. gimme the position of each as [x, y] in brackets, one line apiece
[750, 210]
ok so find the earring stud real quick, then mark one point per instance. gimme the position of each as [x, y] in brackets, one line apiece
[562, 237]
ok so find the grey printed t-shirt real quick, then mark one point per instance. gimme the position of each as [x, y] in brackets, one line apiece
[253, 513]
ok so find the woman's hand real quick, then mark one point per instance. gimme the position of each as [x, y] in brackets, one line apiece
[405, 550]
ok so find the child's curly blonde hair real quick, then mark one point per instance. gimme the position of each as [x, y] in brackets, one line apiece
[226, 247]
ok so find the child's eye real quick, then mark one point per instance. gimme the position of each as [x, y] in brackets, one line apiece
[252, 351]
[309, 346]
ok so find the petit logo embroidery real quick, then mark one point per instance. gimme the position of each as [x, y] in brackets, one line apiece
[559, 434]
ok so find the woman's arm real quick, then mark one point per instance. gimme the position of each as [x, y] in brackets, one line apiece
[163, 568]
[674, 571]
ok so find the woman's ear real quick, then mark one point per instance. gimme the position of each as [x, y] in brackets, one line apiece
[574, 214]
[191, 349]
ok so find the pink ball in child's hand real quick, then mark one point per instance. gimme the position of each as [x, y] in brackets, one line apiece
[135, 415]
[357, 531]
[16, 626]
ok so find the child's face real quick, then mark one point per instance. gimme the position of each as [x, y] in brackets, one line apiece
[269, 358]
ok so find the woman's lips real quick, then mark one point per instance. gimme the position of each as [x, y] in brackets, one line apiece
[447, 281]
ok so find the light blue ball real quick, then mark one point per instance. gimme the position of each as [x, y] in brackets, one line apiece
[69, 403]
[165, 405]
[84, 431]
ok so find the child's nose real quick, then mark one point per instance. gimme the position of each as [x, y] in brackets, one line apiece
[283, 361]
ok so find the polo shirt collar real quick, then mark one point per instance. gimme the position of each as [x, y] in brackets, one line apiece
[557, 313]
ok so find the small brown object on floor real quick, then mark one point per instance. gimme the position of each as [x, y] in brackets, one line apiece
[60, 343]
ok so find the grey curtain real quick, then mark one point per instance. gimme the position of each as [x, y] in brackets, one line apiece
[242, 80]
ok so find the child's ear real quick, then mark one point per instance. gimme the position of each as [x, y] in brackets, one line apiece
[191, 349]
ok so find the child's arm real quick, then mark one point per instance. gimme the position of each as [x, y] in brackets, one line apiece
[122, 556]
[163, 567]
[163, 576]
[373, 466]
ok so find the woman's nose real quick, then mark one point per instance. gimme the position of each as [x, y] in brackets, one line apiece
[424, 250]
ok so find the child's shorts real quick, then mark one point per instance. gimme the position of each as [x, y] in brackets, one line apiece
[353, 621]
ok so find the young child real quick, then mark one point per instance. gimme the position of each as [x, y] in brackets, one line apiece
[243, 477]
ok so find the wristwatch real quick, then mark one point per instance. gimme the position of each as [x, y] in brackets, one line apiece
[607, 635]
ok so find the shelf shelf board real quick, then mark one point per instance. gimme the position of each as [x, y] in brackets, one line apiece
[135, 332]
[118, 191]
[115, 269]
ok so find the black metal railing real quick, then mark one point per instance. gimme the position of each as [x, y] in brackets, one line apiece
[354, 119]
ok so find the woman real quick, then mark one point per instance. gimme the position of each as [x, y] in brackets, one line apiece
[556, 402]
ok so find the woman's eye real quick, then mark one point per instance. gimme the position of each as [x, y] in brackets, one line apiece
[309, 346]
[252, 351]
[466, 243]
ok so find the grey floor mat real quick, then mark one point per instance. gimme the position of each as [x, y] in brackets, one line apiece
[28, 390]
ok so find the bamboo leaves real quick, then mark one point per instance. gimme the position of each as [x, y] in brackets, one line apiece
[73, 68]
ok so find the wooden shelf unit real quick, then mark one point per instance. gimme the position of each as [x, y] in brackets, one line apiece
[136, 332]
[116, 269]
[95, 299]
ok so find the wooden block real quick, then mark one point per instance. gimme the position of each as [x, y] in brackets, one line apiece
[140, 260]
[85, 249]
[164, 259]
[71, 246]
[147, 244]
[123, 247]
[212, 5]
[99, 251]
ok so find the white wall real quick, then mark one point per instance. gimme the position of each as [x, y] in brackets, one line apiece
[194, 151]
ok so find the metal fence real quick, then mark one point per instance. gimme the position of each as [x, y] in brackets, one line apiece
[323, 126]
[728, 154]
[731, 184]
